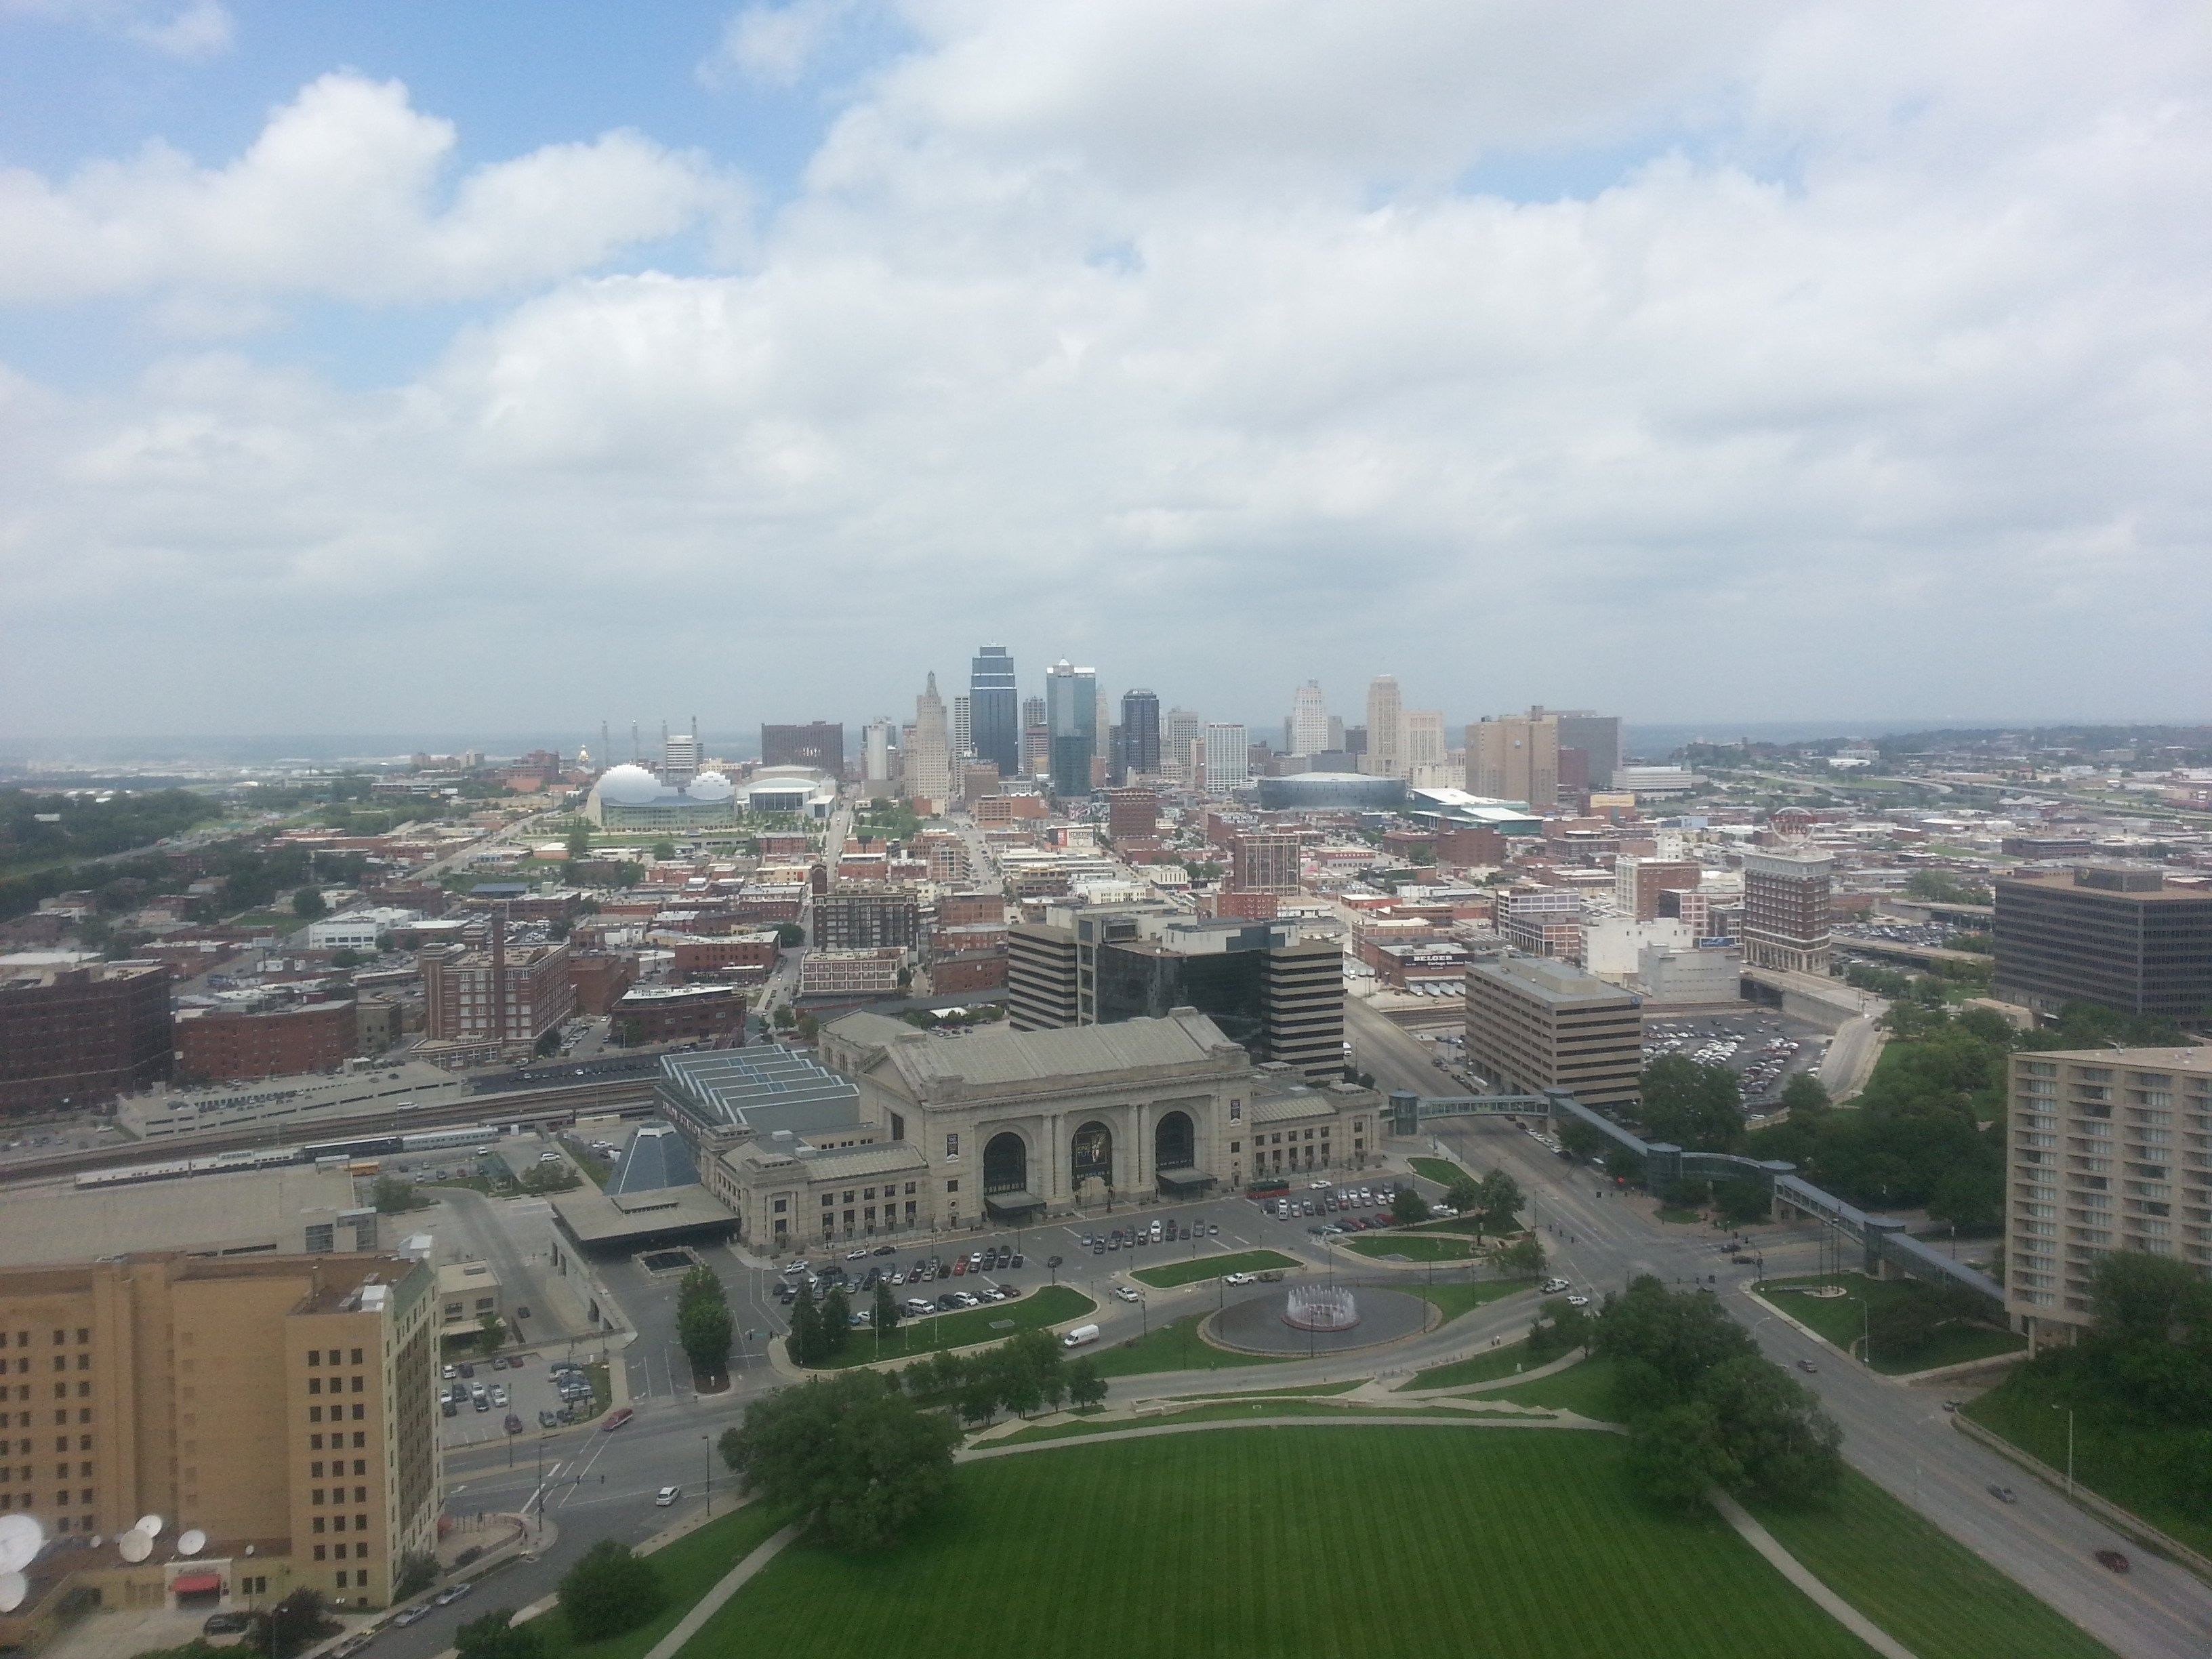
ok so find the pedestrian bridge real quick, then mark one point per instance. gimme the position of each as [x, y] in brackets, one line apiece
[1888, 1249]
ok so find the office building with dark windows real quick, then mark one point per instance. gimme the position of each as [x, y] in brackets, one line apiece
[2118, 936]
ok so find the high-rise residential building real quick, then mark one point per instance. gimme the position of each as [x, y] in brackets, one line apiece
[929, 756]
[1385, 728]
[679, 757]
[1638, 882]
[1533, 1024]
[994, 713]
[877, 750]
[76, 1035]
[1032, 712]
[284, 1405]
[964, 736]
[2106, 1155]
[866, 915]
[1336, 734]
[1308, 728]
[1278, 993]
[1228, 756]
[1598, 737]
[1140, 733]
[1786, 908]
[818, 744]
[1133, 814]
[1425, 740]
[1070, 697]
[2114, 935]
[1516, 758]
[1037, 750]
[1179, 729]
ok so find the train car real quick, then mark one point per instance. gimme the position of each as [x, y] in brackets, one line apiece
[431, 1140]
[360, 1146]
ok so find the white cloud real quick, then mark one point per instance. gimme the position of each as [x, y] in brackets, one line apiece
[341, 195]
[194, 30]
[1875, 381]
[775, 45]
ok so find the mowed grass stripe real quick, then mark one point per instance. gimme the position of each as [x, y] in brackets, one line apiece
[1338, 1543]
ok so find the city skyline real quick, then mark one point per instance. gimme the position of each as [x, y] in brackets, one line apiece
[1719, 358]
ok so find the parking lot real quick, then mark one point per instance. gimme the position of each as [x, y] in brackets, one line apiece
[1762, 1046]
[510, 1394]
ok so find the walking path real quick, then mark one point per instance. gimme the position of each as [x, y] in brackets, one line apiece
[730, 1583]
[1797, 1573]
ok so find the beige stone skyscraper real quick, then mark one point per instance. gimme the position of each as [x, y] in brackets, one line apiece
[1516, 758]
[1309, 721]
[929, 760]
[1386, 728]
[1425, 740]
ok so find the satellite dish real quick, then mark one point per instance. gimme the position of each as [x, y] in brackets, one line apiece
[14, 1587]
[21, 1538]
[134, 1546]
[191, 1543]
[150, 1525]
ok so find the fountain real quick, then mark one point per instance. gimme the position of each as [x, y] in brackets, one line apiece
[1320, 1307]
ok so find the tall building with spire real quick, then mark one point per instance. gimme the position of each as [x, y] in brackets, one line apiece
[1386, 728]
[995, 718]
[929, 760]
[1309, 728]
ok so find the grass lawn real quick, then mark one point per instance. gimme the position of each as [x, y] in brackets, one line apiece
[1679, 1218]
[1048, 1306]
[2142, 1468]
[1414, 1247]
[1841, 1319]
[1211, 1267]
[1174, 1346]
[1186, 1544]
[1486, 1367]
[1442, 1171]
[1932, 1594]
[1464, 1297]
[1585, 1389]
[690, 1567]
[276, 921]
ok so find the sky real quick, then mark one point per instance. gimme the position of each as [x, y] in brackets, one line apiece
[506, 367]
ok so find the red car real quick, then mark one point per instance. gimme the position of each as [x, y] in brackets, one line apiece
[2112, 1560]
[615, 1419]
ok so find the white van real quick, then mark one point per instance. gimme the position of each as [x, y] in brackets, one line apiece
[1080, 1336]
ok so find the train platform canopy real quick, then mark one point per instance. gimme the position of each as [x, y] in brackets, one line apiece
[287, 1210]
[630, 1221]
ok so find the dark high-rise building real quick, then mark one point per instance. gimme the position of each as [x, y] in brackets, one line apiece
[1071, 701]
[818, 744]
[2114, 935]
[1598, 736]
[1140, 732]
[994, 713]
[1278, 994]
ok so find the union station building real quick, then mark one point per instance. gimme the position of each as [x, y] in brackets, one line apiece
[888, 1129]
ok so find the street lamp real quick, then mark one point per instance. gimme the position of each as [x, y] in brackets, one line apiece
[2069, 1410]
[707, 1442]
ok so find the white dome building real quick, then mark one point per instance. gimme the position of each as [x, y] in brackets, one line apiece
[631, 797]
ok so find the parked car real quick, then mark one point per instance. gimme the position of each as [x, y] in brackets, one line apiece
[224, 1624]
[411, 1614]
[446, 1598]
[548, 1419]
[513, 1423]
[1553, 1286]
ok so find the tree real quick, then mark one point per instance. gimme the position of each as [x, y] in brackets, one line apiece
[885, 1315]
[860, 1460]
[345, 957]
[1689, 1193]
[548, 1041]
[1697, 1107]
[664, 849]
[1804, 1092]
[1624, 1165]
[308, 901]
[1742, 1199]
[393, 1195]
[2141, 1299]
[1675, 1455]
[414, 1573]
[1406, 1207]
[1580, 1139]
[1523, 1258]
[1499, 1199]
[295, 1622]
[788, 933]
[784, 1019]
[1464, 1195]
[579, 839]
[1969, 1195]
[495, 1637]
[1559, 1329]
[804, 1343]
[610, 1589]
[704, 1328]
[491, 1331]
[1086, 1389]
[836, 1321]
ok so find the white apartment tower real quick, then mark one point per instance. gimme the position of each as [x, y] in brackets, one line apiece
[1308, 729]
[1179, 729]
[1228, 756]
[1386, 723]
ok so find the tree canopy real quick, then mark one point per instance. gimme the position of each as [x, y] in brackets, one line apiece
[495, 1635]
[610, 1589]
[1698, 1107]
[858, 1456]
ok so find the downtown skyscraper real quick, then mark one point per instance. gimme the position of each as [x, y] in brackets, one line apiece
[1140, 732]
[995, 715]
[1071, 698]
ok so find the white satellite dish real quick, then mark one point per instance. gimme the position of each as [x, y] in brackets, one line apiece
[150, 1525]
[21, 1538]
[14, 1587]
[134, 1546]
[192, 1542]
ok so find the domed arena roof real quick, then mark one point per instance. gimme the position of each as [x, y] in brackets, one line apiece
[628, 786]
[710, 786]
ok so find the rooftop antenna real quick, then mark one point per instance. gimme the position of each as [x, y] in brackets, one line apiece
[633, 752]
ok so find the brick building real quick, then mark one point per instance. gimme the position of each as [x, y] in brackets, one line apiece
[1132, 813]
[866, 918]
[740, 958]
[500, 994]
[681, 1013]
[226, 1044]
[76, 1035]
[600, 977]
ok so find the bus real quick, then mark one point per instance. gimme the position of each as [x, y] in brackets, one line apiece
[1262, 1189]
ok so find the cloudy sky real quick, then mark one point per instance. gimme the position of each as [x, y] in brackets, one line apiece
[421, 366]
